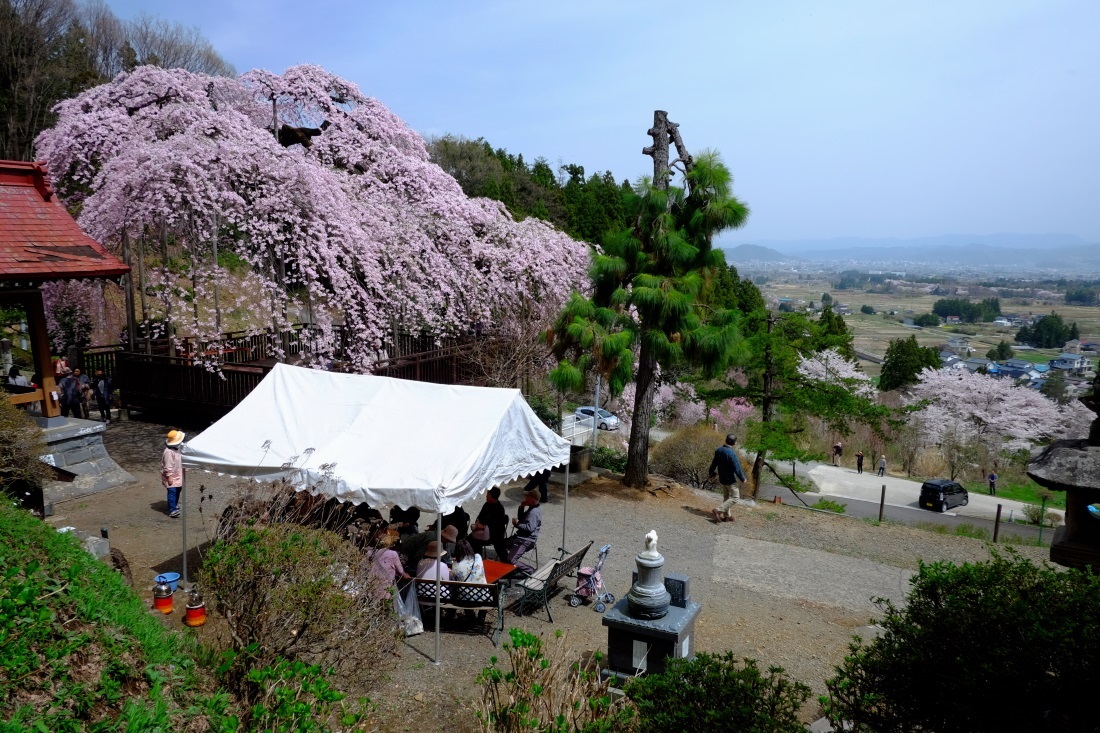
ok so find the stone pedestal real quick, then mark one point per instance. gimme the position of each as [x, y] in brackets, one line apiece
[636, 646]
[76, 448]
[647, 597]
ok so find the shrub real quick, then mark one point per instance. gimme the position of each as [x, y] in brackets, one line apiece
[969, 638]
[298, 697]
[969, 530]
[546, 692]
[21, 444]
[828, 505]
[717, 693]
[299, 594]
[1034, 512]
[609, 458]
[686, 454]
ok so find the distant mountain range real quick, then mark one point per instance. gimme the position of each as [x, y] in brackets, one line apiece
[1043, 252]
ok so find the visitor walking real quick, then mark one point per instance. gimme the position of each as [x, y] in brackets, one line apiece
[726, 465]
[540, 481]
[992, 483]
[838, 451]
[171, 470]
[882, 466]
[102, 388]
[859, 461]
[84, 393]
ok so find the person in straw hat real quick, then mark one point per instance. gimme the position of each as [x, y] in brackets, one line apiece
[432, 557]
[171, 470]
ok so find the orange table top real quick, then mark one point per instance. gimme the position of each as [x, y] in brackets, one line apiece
[495, 570]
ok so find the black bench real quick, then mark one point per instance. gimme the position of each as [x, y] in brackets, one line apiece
[538, 587]
[464, 597]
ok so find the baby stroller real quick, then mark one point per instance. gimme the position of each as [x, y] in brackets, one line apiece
[590, 584]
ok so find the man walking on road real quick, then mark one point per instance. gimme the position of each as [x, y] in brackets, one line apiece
[882, 466]
[727, 466]
[992, 483]
[838, 451]
[859, 461]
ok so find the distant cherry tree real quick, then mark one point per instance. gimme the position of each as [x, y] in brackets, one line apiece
[970, 407]
[831, 367]
[326, 196]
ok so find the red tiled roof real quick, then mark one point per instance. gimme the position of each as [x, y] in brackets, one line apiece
[39, 241]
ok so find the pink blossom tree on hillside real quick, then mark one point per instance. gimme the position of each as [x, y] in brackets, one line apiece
[975, 411]
[338, 213]
[831, 367]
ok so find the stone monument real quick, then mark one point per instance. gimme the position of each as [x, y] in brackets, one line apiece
[1073, 466]
[650, 625]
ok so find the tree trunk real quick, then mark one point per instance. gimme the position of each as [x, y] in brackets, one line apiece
[767, 406]
[637, 457]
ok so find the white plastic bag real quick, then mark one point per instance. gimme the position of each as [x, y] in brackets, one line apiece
[408, 610]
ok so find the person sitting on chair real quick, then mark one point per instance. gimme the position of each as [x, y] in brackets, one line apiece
[528, 522]
[491, 526]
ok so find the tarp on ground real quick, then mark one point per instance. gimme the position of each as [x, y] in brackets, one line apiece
[378, 440]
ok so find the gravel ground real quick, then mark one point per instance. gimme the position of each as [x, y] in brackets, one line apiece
[795, 607]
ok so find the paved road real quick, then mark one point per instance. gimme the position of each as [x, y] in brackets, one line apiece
[904, 514]
[845, 482]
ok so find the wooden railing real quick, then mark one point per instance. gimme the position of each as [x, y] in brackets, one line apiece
[164, 382]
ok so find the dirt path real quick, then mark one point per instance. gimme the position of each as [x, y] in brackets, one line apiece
[779, 584]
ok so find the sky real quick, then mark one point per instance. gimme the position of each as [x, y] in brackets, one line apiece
[839, 118]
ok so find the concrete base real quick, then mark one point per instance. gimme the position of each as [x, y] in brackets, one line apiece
[76, 447]
[636, 646]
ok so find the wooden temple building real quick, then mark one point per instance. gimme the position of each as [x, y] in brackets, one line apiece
[40, 243]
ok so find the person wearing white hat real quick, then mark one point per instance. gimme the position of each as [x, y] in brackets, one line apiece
[171, 470]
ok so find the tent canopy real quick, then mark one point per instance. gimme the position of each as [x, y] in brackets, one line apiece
[377, 439]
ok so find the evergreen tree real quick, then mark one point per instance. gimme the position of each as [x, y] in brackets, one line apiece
[905, 359]
[653, 274]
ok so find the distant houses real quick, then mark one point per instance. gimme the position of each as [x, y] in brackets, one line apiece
[1076, 368]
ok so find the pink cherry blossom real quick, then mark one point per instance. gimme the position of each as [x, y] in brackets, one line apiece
[358, 227]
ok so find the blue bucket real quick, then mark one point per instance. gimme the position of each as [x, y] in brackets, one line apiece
[172, 579]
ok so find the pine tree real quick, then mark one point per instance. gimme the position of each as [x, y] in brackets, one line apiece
[905, 359]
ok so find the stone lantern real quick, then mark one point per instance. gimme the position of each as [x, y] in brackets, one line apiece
[1073, 466]
[655, 622]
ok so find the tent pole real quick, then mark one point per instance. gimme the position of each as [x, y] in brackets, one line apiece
[439, 545]
[565, 511]
[183, 517]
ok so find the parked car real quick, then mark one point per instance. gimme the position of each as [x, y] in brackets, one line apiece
[605, 421]
[940, 494]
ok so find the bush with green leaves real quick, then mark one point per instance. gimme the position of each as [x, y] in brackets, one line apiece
[828, 505]
[994, 646]
[293, 593]
[299, 697]
[609, 458]
[718, 693]
[545, 692]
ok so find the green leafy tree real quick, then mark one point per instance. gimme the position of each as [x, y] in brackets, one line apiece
[1001, 352]
[1049, 332]
[826, 299]
[927, 320]
[717, 693]
[1054, 387]
[654, 273]
[727, 289]
[867, 310]
[1081, 296]
[777, 344]
[969, 638]
[832, 333]
[905, 359]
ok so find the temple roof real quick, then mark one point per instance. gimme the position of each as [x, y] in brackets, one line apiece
[39, 240]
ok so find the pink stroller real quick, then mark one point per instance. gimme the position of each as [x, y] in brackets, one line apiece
[590, 585]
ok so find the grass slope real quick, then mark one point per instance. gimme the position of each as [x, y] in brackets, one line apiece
[80, 651]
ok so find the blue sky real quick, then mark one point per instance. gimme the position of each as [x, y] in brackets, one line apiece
[842, 118]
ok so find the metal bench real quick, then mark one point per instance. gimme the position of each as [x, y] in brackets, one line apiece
[464, 597]
[538, 586]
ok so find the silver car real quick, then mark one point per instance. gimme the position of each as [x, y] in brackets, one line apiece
[604, 420]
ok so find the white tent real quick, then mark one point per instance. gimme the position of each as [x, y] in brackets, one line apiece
[379, 440]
